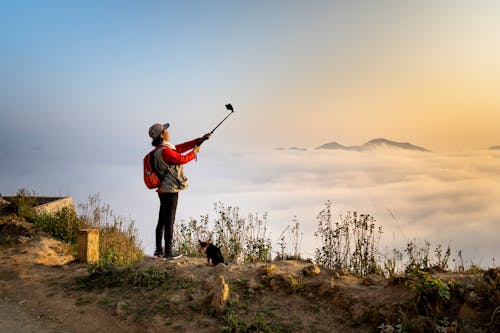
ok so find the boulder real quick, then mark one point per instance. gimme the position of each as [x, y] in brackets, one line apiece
[219, 295]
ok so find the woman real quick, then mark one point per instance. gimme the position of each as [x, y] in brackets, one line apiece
[168, 165]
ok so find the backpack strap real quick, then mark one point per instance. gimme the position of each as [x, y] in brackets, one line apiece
[152, 160]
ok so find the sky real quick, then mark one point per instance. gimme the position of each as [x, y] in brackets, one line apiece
[82, 81]
[298, 73]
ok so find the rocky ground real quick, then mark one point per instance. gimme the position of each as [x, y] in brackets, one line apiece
[42, 289]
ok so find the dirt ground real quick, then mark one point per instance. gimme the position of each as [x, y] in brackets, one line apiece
[40, 292]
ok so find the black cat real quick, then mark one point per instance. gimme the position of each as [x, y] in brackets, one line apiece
[213, 252]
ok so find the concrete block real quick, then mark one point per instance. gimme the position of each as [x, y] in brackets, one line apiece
[88, 245]
[53, 205]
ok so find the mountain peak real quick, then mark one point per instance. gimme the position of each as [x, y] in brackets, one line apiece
[374, 144]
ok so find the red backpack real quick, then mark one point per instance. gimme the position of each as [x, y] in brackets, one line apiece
[151, 179]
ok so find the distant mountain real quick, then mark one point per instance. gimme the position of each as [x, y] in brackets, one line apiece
[291, 148]
[494, 148]
[335, 145]
[373, 145]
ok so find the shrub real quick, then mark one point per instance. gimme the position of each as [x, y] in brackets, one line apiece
[241, 239]
[106, 275]
[350, 243]
[118, 239]
[23, 203]
[187, 235]
[63, 225]
[432, 294]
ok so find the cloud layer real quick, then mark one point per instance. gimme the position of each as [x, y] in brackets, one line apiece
[438, 197]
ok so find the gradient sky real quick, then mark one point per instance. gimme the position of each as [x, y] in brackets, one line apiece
[82, 81]
[299, 73]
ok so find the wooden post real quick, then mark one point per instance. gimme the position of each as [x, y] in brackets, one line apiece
[88, 245]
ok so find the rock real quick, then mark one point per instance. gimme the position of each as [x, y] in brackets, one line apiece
[311, 270]
[220, 295]
[269, 270]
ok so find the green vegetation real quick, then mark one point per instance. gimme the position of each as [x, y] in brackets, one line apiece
[23, 204]
[63, 225]
[118, 241]
[348, 244]
[241, 239]
[235, 323]
[107, 275]
[289, 241]
[432, 294]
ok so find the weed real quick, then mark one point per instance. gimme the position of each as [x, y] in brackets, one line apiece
[292, 282]
[105, 275]
[386, 328]
[349, 244]
[432, 294]
[63, 225]
[234, 323]
[294, 238]
[187, 235]
[83, 300]
[23, 204]
[118, 239]
[241, 239]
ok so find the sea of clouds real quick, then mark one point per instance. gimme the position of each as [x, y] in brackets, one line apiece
[443, 198]
[414, 196]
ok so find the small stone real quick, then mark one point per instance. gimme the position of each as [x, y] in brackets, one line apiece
[269, 270]
[311, 270]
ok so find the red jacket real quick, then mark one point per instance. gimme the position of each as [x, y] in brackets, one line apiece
[171, 156]
[169, 165]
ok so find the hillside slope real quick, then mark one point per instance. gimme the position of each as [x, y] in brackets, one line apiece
[43, 290]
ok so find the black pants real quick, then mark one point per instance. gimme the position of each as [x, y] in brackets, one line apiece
[166, 220]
